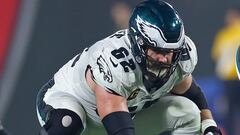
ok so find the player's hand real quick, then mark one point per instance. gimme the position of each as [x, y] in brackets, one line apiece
[212, 130]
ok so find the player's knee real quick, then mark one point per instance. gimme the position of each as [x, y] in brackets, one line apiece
[184, 116]
[190, 106]
[187, 110]
[62, 122]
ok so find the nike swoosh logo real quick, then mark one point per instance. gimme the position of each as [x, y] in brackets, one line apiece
[185, 54]
[114, 64]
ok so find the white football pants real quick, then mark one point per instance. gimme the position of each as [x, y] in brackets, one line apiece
[171, 115]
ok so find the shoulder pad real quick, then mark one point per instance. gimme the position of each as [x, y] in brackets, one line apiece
[189, 57]
[112, 67]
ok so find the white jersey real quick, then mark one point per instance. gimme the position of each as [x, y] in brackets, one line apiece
[114, 68]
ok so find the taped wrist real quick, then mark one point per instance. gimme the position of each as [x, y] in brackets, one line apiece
[207, 123]
[118, 123]
[212, 131]
[195, 94]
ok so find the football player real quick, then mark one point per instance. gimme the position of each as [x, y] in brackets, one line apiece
[108, 83]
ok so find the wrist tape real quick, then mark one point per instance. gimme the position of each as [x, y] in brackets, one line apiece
[207, 123]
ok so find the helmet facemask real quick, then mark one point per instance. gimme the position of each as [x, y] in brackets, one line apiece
[153, 70]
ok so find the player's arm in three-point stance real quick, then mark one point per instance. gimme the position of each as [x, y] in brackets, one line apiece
[188, 88]
[112, 110]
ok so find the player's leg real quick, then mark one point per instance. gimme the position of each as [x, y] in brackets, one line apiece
[59, 113]
[171, 115]
[62, 122]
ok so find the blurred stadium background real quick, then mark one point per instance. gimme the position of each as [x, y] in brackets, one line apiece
[38, 36]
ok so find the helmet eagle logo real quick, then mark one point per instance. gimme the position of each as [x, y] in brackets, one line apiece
[151, 32]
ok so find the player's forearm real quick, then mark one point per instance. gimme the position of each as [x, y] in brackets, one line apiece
[192, 92]
[206, 114]
[115, 116]
[118, 123]
[114, 113]
[195, 94]
[209, 126]
[108, 103]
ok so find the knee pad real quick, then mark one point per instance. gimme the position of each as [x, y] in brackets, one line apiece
[62, 122]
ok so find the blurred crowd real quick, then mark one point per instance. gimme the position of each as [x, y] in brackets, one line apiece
[120, 13]
[224, 49]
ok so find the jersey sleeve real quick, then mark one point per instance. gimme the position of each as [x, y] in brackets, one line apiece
[107, 71]
[188, 59]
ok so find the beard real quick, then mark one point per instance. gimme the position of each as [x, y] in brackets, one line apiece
[156, 69]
